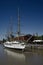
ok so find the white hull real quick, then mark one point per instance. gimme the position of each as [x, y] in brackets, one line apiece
[15, 45]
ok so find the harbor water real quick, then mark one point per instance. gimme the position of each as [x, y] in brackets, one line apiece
[17, 57]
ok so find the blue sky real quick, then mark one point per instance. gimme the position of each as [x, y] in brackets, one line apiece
[31, 16]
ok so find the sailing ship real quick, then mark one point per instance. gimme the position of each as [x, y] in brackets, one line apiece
[17, 44]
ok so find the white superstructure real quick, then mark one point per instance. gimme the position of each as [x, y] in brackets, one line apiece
[37, 40]
[15, 44]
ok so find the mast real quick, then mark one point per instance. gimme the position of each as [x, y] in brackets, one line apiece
[10, 32]
[18, 32]
[11, 26]
[18, 22]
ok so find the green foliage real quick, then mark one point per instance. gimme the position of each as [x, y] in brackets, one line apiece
[42, 37]
[38, 37]
[4, 40]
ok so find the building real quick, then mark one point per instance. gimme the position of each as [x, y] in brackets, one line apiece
[27, 38]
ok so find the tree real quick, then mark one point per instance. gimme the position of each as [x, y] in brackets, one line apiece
[4, 40]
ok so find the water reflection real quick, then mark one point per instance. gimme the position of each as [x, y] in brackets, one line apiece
[12, 57]
[26, 58]
[16, 55]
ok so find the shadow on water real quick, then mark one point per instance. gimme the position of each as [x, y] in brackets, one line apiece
[17, 57]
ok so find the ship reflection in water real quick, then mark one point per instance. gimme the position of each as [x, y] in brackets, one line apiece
[15, 57]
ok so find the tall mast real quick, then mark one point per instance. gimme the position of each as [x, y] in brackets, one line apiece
[10, 30]
[11, 26]
[18, 22]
